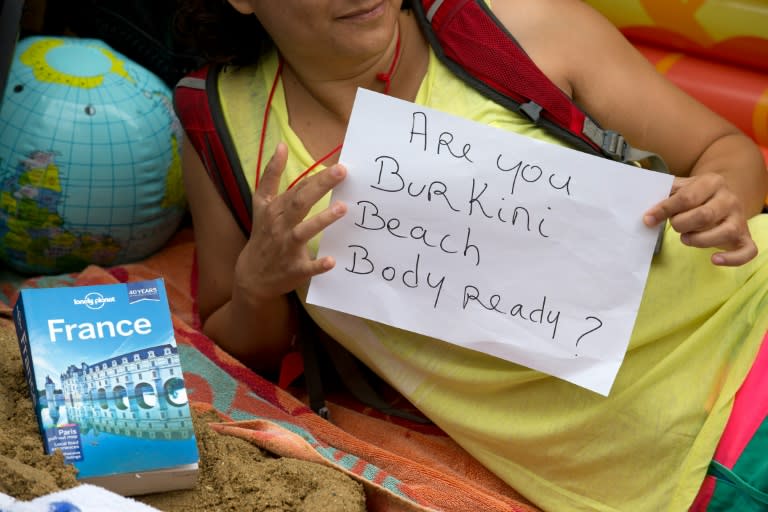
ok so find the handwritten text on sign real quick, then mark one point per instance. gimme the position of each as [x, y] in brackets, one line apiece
[497, 242]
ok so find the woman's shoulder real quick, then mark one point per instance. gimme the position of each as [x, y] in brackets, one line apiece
[544, 17]
[563, 37]
[554, 26]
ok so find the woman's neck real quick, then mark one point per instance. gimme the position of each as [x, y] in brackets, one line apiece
[331, 90]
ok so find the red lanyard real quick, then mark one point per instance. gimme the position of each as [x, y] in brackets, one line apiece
[384, 77]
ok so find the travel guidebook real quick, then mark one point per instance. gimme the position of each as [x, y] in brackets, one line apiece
[103, 370]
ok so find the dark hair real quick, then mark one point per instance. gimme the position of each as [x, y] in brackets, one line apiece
[220, 34]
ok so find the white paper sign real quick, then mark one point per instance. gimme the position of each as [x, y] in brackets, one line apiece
[521, 249]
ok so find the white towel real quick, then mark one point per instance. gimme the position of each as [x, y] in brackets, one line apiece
[83, 498]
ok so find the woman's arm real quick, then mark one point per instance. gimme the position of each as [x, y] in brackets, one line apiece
[589, 59]
[257, 333]
[244, 285]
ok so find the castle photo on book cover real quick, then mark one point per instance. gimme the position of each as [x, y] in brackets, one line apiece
[106, 382]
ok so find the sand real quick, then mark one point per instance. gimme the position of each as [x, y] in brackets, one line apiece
[234, 474]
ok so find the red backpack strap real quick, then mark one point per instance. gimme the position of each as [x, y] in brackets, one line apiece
[468, 38]
[197, 104]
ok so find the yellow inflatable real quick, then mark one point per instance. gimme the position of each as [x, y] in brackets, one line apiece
[732, 30]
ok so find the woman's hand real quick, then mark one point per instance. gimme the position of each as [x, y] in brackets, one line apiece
[275, 260]
[707, 213]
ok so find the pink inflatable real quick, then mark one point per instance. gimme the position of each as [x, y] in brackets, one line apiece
[733, 31]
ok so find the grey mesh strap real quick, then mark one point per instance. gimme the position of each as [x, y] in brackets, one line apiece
[191, 82]
[432, 10]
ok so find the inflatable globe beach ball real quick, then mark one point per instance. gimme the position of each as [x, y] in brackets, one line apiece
[89, 158]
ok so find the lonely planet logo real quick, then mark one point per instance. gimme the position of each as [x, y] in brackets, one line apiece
[93, 300]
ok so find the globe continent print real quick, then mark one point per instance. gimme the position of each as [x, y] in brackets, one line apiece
[89, 158]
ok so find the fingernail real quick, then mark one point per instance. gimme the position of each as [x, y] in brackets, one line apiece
[338, 171]
[686, 239]
[650, 220]
[718, 259]
[339, 209]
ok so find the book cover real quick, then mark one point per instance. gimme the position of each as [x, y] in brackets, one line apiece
[103, 370]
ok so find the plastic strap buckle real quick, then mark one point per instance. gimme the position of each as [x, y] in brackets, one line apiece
[532, 111]
[614, 145]
[611, 143]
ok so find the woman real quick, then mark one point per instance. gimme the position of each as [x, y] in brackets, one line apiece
[647, 446]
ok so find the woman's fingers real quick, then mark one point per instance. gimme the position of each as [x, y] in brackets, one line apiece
[685, 195]
[280, 231]
[309, 228]
[318, 266]
[728, 235]
[300, 199]
[283, 211]
[707, 214]
[736, 257]
[715, 212]
[270, 181]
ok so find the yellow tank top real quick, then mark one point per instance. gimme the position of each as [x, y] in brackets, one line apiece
[647, 446]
